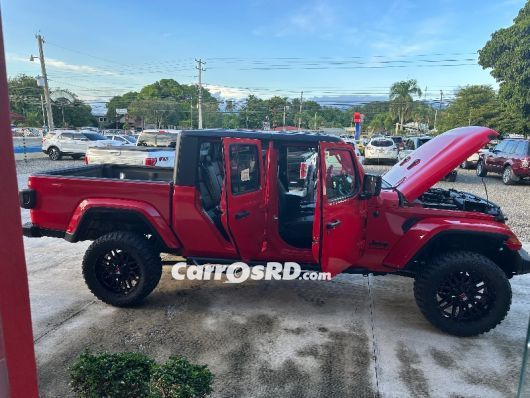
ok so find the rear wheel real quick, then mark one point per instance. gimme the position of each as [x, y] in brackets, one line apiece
[54, 153]
[463, 293]
[464, 165]
[122, 268]
[481, 169]
[508, 177]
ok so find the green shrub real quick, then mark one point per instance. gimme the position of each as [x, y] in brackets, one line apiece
[120, 375]
[134, 375]
[178, 378]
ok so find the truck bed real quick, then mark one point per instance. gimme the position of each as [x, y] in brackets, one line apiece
[60, 192]
[115, 171]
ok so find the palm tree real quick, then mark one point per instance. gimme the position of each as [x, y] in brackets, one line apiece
[401, 98]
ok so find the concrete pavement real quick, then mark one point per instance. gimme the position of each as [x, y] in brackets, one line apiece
[354, 336]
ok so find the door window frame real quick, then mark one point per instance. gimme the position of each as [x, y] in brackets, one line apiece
[259, 171]
[355, 170]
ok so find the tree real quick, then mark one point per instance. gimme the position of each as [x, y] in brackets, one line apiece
[401, 98]
[119, 102]
[476, 105]
[168, 103]
[507, 53]
[25, 99]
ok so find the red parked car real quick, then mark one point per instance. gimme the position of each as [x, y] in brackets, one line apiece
[510, 158]
[230, 198]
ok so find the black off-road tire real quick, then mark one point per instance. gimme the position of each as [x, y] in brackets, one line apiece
[481, 169]
[140, 251]
[431, 279]
[54, 153]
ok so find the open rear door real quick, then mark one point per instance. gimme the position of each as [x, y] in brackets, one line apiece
[245, 194]
[340, 214]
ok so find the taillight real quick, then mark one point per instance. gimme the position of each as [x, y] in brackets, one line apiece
[303, 171]
[150, 161]
[85, 159]
[513, 243]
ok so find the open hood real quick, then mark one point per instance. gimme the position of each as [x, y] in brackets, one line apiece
[432, 161]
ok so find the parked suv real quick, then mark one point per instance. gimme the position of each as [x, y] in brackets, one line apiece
[381, 149]
[510, 158]
[72, 143]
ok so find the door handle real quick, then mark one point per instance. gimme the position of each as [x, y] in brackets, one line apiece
[242, 214]
[333, 224]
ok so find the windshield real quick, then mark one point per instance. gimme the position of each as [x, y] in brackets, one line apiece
[422, 141]
[382, 143]
[94, 136]
[131, 139]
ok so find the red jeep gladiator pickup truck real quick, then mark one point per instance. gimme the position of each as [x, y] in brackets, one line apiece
[231, 197]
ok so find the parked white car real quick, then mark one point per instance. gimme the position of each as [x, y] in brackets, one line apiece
[154, 148]
[123, 138]
[59, 143]
[131, 155]
[381, 150]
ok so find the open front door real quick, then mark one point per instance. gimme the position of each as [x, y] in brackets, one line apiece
[340, 214]
[245, 197]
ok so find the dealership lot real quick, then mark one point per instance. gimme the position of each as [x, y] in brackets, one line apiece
[353, 336]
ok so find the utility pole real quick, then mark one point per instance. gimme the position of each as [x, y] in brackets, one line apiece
[300, 117]
[284, 110]
[199, 67]
[315, 120]
[191, 113]
[439, 108]
[43, 113]
[40, 40]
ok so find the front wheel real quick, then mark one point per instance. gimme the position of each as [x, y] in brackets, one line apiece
[54, 153]
[481, 169]
[463, 293]
[121, 268]
[508, 177]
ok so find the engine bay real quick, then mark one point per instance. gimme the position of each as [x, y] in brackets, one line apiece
[451, 199]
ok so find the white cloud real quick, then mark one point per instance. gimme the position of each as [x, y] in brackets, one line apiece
[58, 64]
[227, 92]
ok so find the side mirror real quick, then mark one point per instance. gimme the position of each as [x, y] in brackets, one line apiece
[371, 186]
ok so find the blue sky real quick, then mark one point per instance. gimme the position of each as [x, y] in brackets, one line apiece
[327, 48]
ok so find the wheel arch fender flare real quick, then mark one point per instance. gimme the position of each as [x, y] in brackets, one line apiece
[422, 235]
[150, 216]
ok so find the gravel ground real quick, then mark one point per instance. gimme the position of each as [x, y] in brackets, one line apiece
[514, 200]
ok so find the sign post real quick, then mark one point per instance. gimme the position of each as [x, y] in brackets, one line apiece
[357, 120]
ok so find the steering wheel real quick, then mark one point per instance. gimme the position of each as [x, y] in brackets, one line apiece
[342, 184]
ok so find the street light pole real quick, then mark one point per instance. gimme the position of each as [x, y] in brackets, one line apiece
[40, 40]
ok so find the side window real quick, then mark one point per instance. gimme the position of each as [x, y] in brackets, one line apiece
[147, 139]
[522, 148]
[510, 147]
[66, 136]
[501, 146]
[409, 145]
[341, 179]
[244, 168]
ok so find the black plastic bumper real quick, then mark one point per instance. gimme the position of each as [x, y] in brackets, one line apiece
[522, 265]
[32, 231]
